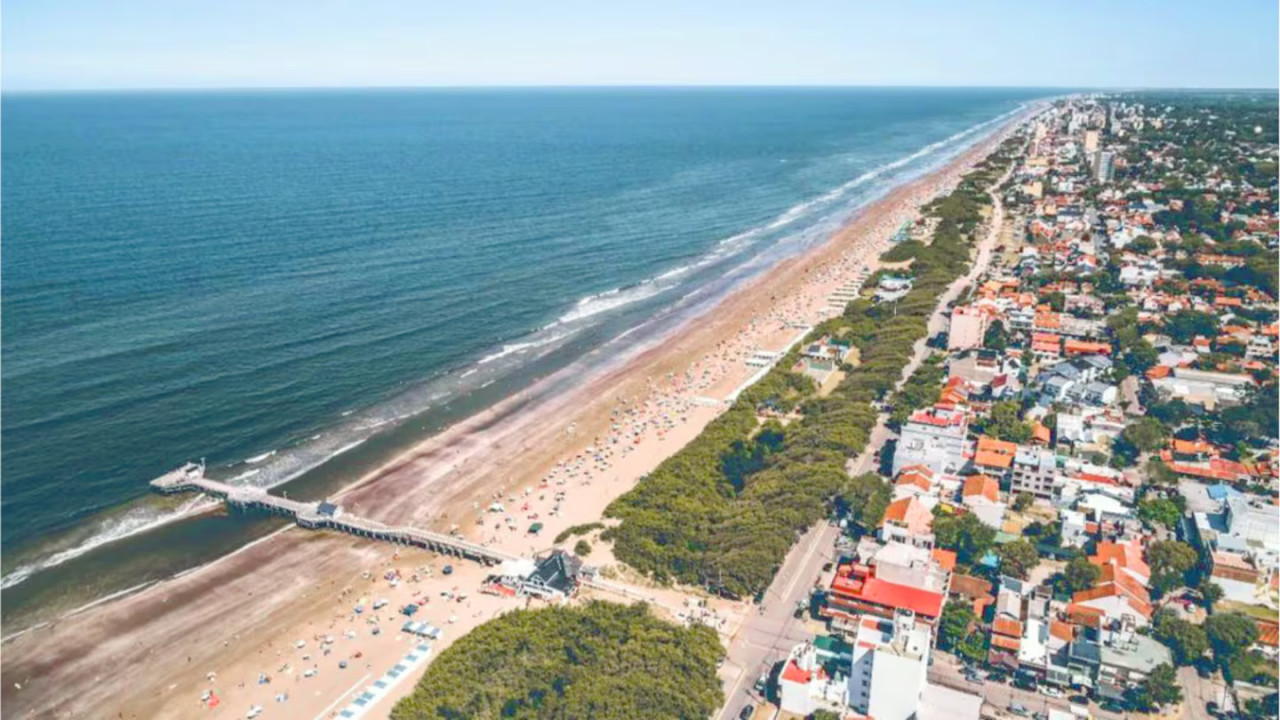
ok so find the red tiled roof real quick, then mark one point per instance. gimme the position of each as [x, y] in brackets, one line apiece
[1268, 633]
[946, 559]
[987, 458]
[983, 485]
[793, 673]
[1007, 643]
[1081, 347]
[1126, 555]
[902, 597]
[1007, 626]
[970, 587]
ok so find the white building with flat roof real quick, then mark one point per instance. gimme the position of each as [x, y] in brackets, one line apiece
[933, 437]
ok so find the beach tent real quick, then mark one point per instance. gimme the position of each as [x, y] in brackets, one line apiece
[535, 528]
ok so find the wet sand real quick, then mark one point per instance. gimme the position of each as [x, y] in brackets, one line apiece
[150, 654]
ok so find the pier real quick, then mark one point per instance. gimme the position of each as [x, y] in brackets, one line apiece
[322, 515]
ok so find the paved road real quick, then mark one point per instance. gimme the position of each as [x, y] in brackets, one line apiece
[1198, 691]
[946, 670]
[766, 637]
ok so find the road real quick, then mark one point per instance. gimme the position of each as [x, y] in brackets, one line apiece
[946, 670]
[766, 637]
[1197, 692]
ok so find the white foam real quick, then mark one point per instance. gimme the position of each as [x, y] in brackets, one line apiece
[520, 347]
[132, 522]
[610, 300]
[259, 458]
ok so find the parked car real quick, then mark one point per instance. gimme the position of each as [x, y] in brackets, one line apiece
[1019, 709]
[1050, 691]
[1079, 700]
[1022, 682]
[746, 712]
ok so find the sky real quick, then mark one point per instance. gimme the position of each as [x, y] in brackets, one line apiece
[137, 44]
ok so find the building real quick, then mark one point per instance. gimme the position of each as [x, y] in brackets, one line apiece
[880, 673]
[933, 437]
[1090, 142]
[816, 676]
[858, 590]
[1125, 659]
[1205, 388]
[1035, 471]
[981, 496]
[967, 329]
[1115, 601]
[906, 520]
[1104, 166]
[553, 577]
[1123, 557]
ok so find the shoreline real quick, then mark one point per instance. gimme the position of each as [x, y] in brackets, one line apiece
[519, 441]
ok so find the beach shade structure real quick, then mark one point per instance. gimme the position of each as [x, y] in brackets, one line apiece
[535, 528]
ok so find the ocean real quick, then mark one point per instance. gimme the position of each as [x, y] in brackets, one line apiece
[295, 285]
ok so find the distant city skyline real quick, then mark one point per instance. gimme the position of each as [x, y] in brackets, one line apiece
[150, 44]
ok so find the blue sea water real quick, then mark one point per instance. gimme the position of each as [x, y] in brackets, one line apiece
[267, 279]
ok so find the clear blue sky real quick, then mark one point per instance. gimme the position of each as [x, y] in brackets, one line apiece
[95, 44]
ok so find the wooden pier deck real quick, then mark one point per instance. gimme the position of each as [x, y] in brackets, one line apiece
[322, 515]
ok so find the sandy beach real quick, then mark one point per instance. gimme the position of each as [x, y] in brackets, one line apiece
[275, 624]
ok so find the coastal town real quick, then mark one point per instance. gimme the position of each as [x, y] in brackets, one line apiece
[1079, 510]
[1008, 449]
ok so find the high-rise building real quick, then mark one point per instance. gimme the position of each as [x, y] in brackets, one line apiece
[1090, 141]
[881, 674]
[1104, 166]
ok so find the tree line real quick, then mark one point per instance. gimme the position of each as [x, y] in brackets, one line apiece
[724, 510]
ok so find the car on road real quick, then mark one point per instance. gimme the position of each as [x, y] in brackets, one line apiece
[1050, 691]
[1211, 707]
[746, 712]
[1079, 700]
[997, 676]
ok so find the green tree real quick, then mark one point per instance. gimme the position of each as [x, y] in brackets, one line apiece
[582, 548]
[954, 625]
[1184, 326]
[1209, 592]
[1018, 558]
[1187, 641]
[1004, 422]
[1170, 560]
[1146, 434]
[598, 660]
[968, 536]
[1159, 511]
[823, 715]
[1160, 473]
[1160, 688]
[996, 338]
[1230, 634]
[1022, 501]
[1080, 574]
[1141, 357]
[866, 497]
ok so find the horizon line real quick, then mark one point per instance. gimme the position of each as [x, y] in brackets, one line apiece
[625, 86]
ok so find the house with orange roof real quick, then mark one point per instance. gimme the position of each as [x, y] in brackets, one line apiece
[981, 496]
[994, 455]
[1073, 347]
[1123, 557]
[916, 480]
[906, 518]
[1118, 597]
